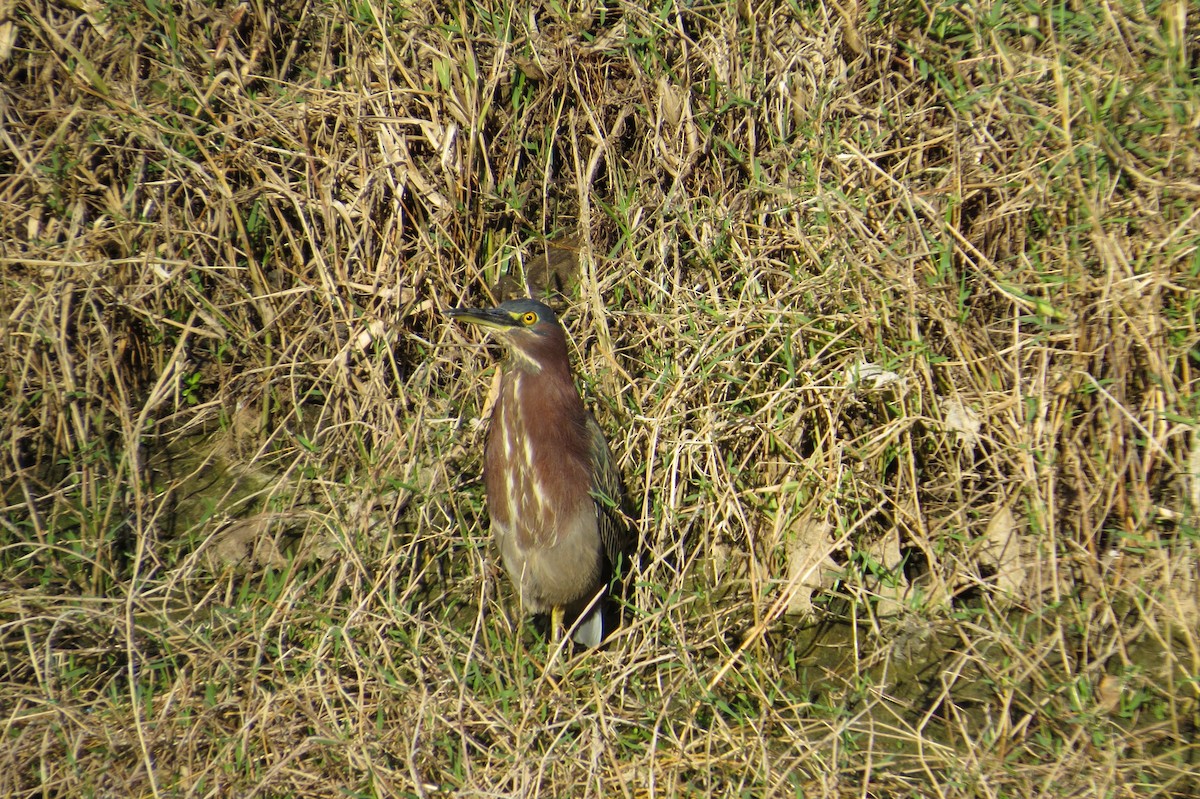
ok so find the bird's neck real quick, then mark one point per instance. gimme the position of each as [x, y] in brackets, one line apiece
[547, 391]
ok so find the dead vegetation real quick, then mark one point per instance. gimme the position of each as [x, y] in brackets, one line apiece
[889, 312]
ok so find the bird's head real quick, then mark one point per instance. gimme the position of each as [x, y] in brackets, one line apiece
[527, 328]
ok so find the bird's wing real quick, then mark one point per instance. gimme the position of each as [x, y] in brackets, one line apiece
[606, 490]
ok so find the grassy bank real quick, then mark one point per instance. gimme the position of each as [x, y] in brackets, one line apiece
[889, 312]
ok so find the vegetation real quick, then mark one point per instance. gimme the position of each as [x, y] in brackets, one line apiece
[889, 310]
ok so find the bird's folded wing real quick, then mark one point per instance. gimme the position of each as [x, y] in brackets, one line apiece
[606, 490]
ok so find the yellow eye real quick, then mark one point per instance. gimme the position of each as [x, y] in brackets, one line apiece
[528, 318]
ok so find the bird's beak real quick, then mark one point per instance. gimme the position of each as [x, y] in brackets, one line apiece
[484, 317]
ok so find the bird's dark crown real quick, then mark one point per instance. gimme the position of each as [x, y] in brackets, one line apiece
[530, 314]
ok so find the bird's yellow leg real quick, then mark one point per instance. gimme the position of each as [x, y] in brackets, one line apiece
[553, 662]
[556, 624]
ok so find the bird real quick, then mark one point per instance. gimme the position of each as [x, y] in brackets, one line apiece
[553, 488]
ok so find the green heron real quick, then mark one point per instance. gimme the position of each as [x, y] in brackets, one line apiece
[553, 489]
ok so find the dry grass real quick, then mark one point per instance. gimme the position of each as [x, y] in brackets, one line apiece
[890, 314]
